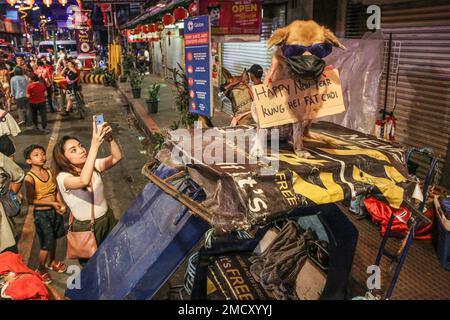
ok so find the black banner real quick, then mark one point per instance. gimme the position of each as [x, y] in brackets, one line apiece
[242, 193]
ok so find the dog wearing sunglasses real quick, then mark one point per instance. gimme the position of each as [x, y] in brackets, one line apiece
[301, 47]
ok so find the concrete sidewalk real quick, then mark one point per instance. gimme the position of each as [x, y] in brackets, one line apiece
[167, 111]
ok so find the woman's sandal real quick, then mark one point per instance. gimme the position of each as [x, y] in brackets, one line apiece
[57, 267]
[45, 276]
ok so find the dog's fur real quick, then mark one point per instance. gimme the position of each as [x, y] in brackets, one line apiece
[299, 32]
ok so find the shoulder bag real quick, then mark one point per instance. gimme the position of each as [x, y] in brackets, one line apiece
[81, 244]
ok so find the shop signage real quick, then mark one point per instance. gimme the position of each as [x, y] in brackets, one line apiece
[197, 42]
[84, 41]
[286, 101]
[233, 16]
[114, 1]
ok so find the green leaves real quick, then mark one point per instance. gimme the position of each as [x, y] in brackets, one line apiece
[186, 119]
[153, 92]
[136, 79]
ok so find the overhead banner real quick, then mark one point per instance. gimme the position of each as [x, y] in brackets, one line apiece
[233, 16]
[288, 100]
[197, 42]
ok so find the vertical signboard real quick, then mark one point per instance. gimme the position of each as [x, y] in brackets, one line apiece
[84, 41]
[197, 41]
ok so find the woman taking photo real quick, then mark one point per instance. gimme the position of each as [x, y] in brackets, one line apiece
[80, 182]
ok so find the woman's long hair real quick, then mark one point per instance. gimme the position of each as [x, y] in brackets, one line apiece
[61, 162]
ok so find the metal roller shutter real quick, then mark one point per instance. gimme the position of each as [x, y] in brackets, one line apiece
[423, 89]
[237, 56]
[174, 53]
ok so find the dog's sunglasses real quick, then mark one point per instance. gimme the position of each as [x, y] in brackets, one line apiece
[320, 50]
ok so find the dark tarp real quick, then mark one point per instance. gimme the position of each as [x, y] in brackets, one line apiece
[244, 193]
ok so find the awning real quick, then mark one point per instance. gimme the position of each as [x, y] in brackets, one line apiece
[150, 12]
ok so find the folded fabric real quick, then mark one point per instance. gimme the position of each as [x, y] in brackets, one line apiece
[21, 282]
[25, 287]
[276, 269]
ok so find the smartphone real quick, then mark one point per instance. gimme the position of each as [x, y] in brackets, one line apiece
[99, 120]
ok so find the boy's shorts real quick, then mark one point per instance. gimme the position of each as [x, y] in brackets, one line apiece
[49, 227]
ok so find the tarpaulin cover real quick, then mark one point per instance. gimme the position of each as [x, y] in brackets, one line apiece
[144, 249]
[360, 68]
[240, 195]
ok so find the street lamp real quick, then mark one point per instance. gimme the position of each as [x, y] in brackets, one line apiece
[12, 2]
[48, 3]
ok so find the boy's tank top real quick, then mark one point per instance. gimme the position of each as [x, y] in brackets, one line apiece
[43, 189]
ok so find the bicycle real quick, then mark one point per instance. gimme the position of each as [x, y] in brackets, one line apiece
[77, 102]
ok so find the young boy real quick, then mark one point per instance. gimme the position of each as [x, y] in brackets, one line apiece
[48, 209]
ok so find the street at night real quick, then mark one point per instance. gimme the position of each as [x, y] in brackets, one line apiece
[224, 151]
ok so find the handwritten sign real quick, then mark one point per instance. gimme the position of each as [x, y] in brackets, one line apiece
[290, 101]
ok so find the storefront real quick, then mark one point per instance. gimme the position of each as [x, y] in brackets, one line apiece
[420, 33]
[174, 51]
[237, 56]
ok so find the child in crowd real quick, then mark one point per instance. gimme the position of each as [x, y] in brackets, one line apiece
[49, 209]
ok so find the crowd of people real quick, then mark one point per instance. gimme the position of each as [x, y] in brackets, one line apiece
[76, 180]
[30, 86]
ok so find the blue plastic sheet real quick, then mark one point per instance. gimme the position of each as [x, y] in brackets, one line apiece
[145, 248]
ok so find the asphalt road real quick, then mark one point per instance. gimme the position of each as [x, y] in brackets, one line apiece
[122, 183]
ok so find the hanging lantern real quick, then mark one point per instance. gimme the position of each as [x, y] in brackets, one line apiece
[160, 27]
[180, 13]
[145, 29]
[48, 3]
[62, 2]
[138, 29]
[168, 19]
[153, 27]
[12, 2]
[29, 2]
[193, 9]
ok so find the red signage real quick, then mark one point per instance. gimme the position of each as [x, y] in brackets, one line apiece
[233, 16]
[195, 39]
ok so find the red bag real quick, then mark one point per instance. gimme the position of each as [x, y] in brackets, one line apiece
[381, 213]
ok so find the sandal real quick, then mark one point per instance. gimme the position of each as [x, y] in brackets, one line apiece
[57, 267]
[45, 276]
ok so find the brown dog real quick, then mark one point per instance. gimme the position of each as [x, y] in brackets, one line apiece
[301, 47]
[299, 32]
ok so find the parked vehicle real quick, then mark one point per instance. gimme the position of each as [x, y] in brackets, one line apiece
[7, 48]
[69, 45]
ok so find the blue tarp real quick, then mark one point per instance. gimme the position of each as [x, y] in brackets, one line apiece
[145, 248]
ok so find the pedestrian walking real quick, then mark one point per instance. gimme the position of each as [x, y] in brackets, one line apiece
[19, 85]
[5, 86]
[37, 97]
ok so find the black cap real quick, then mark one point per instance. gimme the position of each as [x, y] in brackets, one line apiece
[257, 70]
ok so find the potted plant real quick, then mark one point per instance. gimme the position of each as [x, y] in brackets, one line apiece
[136, 84]
[128, 63]
[153, 98]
